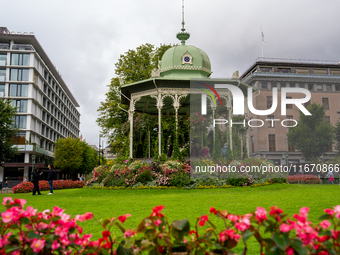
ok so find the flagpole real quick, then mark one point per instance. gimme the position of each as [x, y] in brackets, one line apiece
[263, 42]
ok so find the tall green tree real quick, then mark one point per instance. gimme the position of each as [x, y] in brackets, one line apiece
[74, 156]
[134, 65]
[313, 136]
[337, 136]
[7, 131]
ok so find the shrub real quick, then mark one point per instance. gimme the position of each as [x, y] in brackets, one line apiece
[25, 187]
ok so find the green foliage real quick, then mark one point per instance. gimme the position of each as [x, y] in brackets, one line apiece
[312, 136]
[7, 131]
[75, 156]
[134, 65]
[337, 136]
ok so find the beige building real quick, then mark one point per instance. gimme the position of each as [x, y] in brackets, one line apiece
[321, 78]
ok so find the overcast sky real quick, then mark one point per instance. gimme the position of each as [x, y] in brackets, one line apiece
[85, 38]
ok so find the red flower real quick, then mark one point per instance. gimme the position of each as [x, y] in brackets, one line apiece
[213, 210]
[203, 219]
[106, 233]
[122, 218]
[156, 211]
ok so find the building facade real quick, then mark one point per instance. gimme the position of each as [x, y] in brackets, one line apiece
[321, 78]
[47, 110]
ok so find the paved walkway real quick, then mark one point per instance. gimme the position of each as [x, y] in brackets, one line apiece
[6, 190]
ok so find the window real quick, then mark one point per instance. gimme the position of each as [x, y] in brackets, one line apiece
[291, 148]
[20, 121]
[2, 75]
[2, 90]
[289, 106]
[274, 84]
[272, 143]
[18, 90]
[283, 84]
[328, 119]
[269, 102]
[339, 116]
[292, 85]
[271, 124]
[3, 59]
[325, 103]
[301, 85]
[265, 69]
[328, 87]
[19, 138]
[310, 86]
[290, 123]
[307, 103]
[20, 59]
[337, 87]
[319, 87]
[19, 74]
[283, 70]
[21, 105]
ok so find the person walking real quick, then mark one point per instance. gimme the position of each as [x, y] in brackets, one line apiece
[6, 183]
[224, 150]
[50, 178]
[330, 177]
[36, 177]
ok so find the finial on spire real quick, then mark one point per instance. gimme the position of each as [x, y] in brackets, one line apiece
[183, 36]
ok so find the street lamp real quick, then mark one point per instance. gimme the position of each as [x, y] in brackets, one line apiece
[33, 161]
[287, 155]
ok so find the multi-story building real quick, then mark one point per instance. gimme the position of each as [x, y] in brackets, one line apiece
[321, 78]
[47, 110]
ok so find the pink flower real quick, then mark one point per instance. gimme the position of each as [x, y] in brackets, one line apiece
[285, 227]
[325, 224]
[129, 232]
[123, 218]
[329, 211]
[55, 245]
[337, 211]
[290, 251]
[37, 244]
[304, 211]
[7, 216]
[158, 222]
[260, 214]
[7, 199]
[232, 217]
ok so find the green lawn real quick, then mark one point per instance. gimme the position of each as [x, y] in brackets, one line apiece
[181, 204]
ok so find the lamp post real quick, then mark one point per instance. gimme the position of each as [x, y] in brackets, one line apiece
[33, 161]
[287, 155]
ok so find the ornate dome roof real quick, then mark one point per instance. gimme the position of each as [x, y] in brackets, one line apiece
[185, 61]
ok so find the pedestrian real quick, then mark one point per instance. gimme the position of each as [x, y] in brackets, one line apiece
[50, 178]
[224, 150]
[6, 183]
[330, 177]
[36, 177]
[195, 151]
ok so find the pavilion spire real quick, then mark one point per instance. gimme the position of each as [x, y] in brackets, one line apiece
[183, 36]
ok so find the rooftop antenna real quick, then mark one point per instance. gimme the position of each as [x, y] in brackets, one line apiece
[183, 36]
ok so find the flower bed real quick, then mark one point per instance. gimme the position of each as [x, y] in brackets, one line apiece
[178, 174]
[303, 179]
[27, 231]
[25, 187]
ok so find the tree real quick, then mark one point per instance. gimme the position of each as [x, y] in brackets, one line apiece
[313, 136]
[74, 156]
[7, 131]
[134, 65]
[337, 136]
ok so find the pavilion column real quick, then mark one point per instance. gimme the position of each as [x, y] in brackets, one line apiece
[131, 133]
[131, 112]
[230, 129]
[159, 106]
